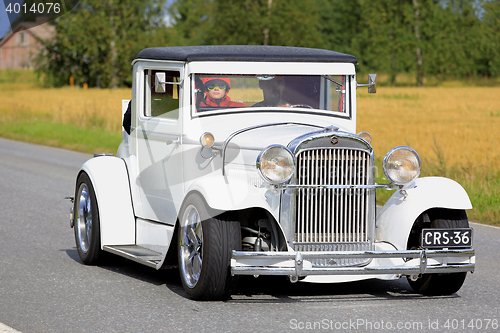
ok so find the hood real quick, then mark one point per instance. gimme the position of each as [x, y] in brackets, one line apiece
[243, 148]
[262, 137]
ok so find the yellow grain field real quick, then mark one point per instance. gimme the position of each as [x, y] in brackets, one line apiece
[461, 123]
[459, 126]
[99, 108]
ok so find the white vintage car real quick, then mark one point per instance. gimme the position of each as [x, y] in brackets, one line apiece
[244, 160]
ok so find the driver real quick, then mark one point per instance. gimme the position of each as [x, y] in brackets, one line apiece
[216, 89]
[272, 89]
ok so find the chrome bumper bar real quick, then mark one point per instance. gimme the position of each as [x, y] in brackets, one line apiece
[293, 263]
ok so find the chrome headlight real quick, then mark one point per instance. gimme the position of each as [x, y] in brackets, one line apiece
[276, 164]
[401, 165]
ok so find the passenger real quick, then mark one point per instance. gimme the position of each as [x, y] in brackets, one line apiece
[272, 89]
[216, 90]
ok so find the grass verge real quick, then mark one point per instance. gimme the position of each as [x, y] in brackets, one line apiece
[481, 184]
[62, 135]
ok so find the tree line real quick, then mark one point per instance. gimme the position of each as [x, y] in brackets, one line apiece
[97, 41]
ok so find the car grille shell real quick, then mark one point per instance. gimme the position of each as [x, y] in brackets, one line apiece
[332, 219]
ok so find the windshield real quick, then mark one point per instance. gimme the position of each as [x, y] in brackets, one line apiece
[223, 93]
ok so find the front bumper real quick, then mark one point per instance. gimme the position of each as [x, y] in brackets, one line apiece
[298, 264]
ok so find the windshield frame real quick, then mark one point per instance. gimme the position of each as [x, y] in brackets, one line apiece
[201, 108]
[268, 69]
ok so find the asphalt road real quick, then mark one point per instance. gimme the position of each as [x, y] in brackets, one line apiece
[45, 288]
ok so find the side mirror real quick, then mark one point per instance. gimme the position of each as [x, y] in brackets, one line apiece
[160, 82]
[372, 86]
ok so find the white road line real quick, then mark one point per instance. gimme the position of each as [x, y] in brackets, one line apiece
[7, 329]
[485, 225]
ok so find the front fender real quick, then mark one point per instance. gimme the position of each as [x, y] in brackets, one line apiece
[231, 194]
[110, 180]
[396, 218]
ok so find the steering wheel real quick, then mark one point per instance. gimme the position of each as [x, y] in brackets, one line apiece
[301, 106]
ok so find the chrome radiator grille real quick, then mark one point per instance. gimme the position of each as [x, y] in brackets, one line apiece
[333, 219]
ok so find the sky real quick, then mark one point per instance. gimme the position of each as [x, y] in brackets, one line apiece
[4, 20]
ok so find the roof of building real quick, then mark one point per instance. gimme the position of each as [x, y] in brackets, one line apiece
[244, 53]
[43, 31]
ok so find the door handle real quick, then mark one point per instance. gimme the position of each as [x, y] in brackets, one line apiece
[177, 141]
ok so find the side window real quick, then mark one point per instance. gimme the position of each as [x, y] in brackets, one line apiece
[337, 93]
[161, 101]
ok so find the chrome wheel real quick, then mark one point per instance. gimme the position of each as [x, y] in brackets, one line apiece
[205, 242]
[87, 226]
[191, 246]
[83, 218]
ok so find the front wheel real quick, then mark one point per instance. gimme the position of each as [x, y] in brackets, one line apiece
[204, 251]
[438, 284]
[87, 226]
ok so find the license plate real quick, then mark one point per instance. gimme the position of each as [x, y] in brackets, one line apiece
[446, 238]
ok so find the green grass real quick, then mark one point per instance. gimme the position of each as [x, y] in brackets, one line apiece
[481, 183]
[62, 135]
[18, 76]
[32, 125]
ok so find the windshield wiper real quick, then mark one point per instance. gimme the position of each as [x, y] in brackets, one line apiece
[329, 78]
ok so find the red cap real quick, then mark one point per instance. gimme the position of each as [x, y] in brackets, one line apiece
[224, 79]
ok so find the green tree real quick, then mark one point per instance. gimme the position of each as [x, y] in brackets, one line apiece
[488, 63]
[434, 37]
[386, 41]
[257, 22]
[97, 40]
[341, 24]
[452, 36]
[447, 38]
[190, 20]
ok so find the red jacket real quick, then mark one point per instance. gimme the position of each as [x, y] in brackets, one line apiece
[224, 102]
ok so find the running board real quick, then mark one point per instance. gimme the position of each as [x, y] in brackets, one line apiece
[136, 253]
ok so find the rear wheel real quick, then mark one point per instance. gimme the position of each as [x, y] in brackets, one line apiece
[441, 283]
[87, 226]
[204, 251]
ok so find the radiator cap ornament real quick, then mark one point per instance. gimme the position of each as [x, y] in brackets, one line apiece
[334, 140]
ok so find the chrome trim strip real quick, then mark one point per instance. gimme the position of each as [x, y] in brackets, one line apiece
[373, 186]
[321, 140]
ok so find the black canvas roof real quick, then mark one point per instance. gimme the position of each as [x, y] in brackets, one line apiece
[244, 53]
